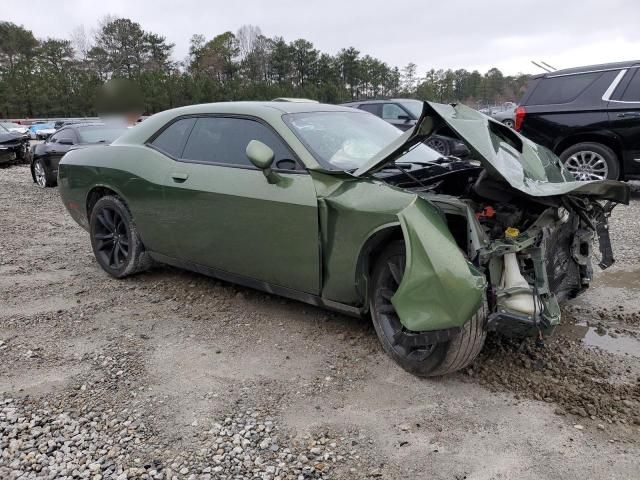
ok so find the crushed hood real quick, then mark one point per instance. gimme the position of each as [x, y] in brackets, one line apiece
[504, 154]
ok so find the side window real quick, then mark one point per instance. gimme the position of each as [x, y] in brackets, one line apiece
[66, 136]
[172, 139]
[391, 111]
[224, 140]
[563, 89]
[632, 92]
[372, 108]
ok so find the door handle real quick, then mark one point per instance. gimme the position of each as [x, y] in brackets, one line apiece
[179, 177]
[629, 114]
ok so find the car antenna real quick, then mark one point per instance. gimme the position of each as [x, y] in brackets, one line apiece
[541, 67]
[547, 65]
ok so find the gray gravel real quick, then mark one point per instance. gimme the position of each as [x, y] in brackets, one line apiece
[172, 375]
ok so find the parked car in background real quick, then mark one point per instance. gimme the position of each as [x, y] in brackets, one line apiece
[14, 146]
[588, 116]
[403, 114]
[46, 156]
[41, 130]
[15, 127]
[73, 121]
[507, 116]
[337, 208]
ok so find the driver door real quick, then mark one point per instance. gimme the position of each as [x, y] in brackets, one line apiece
[225, 215]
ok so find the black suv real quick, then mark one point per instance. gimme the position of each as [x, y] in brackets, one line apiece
[589, 117]
[403, 113]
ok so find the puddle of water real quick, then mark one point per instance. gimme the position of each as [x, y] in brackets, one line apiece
[621, 344]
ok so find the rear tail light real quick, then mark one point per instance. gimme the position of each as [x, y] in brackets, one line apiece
[520, 113]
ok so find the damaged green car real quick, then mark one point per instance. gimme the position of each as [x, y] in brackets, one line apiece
[335, 207]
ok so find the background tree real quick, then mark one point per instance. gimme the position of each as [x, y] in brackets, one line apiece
[65, 77]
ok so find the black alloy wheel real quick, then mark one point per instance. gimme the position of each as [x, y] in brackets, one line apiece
[388, 280]
[115, 240]
[111, 235]
[424, 360]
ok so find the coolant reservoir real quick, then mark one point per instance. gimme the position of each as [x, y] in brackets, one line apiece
[520, 300]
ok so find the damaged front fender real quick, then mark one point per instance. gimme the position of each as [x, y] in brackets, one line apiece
[440, 289]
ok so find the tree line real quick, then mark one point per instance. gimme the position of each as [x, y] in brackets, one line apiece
[120, 62]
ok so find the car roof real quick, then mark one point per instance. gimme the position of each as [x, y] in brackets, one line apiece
[294, 99]
[380, 100]
[258, 108]
[590, 68]
[270, 112]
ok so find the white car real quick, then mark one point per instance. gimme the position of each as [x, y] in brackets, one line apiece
[15, 127]
[45, 133]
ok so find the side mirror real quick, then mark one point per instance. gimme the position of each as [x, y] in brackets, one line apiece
[406, 118]
[260, 155]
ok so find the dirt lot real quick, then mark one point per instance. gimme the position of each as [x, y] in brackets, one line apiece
[174, 375]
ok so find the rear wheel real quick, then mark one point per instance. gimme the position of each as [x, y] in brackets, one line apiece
[591, 161]
[508, 122]
[114, 238]
[426, 360]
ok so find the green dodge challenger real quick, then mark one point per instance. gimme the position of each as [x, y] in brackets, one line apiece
[335, 207]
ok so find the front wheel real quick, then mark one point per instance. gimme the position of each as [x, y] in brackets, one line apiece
[42, 175]
[114, 238]
[425, 360]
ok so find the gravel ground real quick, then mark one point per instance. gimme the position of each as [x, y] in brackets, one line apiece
[172, 375]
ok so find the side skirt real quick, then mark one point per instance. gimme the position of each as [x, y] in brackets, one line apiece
[260, 285]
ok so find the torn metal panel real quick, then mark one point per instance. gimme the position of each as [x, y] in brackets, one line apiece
[440, 288]
[504, 153]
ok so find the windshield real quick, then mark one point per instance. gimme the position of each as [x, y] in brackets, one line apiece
[346, 141]
[100, 134]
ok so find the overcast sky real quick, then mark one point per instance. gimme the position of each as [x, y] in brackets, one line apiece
[433, 34]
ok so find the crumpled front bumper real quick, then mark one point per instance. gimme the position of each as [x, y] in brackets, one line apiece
[560, 255]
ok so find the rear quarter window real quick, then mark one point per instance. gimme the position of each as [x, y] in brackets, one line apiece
[563, 89]
[172, 139]
[632, 91]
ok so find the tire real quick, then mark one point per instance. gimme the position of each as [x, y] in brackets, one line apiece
[439, 144]
[599, 161]
[509, 123]
[42, 175]
[110, 219]
[26, 157]
[432, 360]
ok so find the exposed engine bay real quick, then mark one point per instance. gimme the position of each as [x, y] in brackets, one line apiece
[534, 251]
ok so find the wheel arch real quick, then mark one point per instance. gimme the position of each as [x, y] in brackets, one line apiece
[376, 241]
[96, 193]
